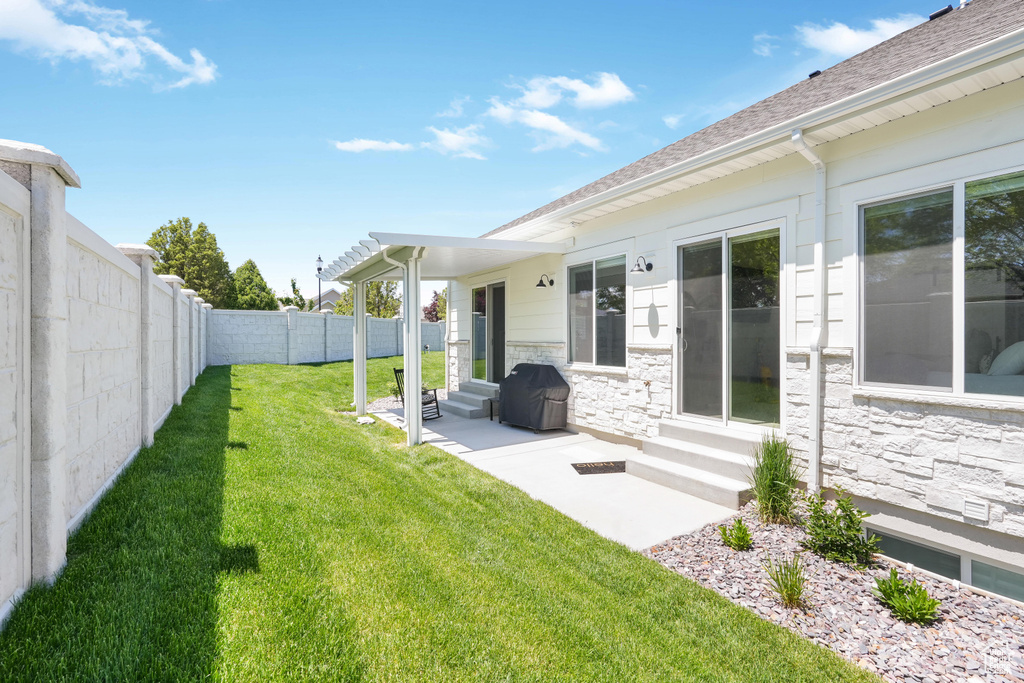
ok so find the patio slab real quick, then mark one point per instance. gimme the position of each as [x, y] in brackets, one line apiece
[620, 507]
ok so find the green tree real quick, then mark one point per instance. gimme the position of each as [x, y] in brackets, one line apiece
[193, 255]
[251, 289]
[382, 300]
[437, 309]
[296, 299]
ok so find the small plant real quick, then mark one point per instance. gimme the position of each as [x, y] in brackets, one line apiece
[786, 578]
[737, 536]
[393, 389]
[836, 535]
[774, 480]
[908, 601]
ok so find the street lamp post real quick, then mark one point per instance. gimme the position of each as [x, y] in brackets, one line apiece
[319, 282]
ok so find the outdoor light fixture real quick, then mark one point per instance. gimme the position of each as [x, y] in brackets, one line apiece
[319, 284]
[648, 267]
[540, 283]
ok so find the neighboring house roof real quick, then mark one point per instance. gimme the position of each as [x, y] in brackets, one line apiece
[331, 296]
[974, 24]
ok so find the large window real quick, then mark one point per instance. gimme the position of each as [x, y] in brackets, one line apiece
[914, 286]
[597, 312]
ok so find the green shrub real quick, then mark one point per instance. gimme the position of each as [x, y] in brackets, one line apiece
[393, 389]
[836, 535]
[786, 578]
[907, 601]
[774, 480]
[737, 536]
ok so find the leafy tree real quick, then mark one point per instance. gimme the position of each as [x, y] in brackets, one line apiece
[193, 255]
[382, 300]
[437, 309]
[296, 299]
[251, 289]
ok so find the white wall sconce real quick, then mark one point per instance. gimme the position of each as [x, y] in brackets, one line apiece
[646, 267]
[542, 285]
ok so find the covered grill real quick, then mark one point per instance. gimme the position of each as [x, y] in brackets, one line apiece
[534, 396]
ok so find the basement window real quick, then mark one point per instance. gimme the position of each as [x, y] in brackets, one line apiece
[929, 559]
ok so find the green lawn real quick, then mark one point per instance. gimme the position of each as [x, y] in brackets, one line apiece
[267, 536]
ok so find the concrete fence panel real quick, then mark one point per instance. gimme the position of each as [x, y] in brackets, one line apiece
[15, 542]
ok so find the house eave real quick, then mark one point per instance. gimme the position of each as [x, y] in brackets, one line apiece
[820, 125]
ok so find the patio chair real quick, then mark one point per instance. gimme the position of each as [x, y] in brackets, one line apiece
[428, 397]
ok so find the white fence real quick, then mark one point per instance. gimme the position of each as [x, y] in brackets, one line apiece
[96, 352]
[241, 337]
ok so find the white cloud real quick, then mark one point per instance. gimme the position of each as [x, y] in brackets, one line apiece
[117, 46]
[460, 142]
[764, 44]
[361, 145]
[544, 92]
[551, 131]
[672, 120]
[839, 40]
[455, 109]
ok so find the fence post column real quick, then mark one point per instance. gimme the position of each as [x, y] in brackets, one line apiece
[48, 243]
[144, 256]
[293, 334]
[204, 340]
[175, 282]
[190, 361]
[327, 327]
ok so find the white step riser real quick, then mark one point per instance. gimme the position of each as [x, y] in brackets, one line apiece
[743, 444]
[701, 461]
[475, 400]
[462, 410]
[725, 497]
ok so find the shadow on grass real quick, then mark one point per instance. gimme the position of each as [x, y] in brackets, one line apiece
[138, 597]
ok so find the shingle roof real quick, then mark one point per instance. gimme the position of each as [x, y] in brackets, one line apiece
[979, 22]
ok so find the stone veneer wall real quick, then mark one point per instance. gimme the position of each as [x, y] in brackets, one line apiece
[626, 401]
[925, 454]
[459, 363]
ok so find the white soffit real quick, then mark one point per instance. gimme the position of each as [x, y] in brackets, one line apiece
[443, 258]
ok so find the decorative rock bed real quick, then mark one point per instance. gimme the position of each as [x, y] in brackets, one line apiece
[975, 638]
[393, 403]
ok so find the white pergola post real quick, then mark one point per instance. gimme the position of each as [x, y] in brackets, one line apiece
[359, 344]
[413, 359]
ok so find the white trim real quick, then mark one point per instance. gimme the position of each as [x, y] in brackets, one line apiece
[87, 509]
[627, 305]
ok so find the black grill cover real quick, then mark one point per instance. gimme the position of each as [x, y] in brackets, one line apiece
[534, 396]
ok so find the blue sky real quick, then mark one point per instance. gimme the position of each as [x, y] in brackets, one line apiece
[293, 129]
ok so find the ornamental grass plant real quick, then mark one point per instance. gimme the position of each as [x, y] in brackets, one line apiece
[774, 480]
[786, 578]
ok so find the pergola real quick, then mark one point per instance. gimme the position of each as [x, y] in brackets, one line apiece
[411, 259]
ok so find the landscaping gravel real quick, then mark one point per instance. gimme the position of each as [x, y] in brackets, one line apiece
[976, 638]
[391, 403]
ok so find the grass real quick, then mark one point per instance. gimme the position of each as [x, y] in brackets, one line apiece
[267, 536]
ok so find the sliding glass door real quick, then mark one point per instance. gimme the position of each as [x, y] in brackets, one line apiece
[488, 335]
[729, 345]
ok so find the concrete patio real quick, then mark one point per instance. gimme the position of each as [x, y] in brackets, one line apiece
[620, 507]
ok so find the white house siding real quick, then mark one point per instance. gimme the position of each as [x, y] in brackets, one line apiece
[103, 381]
[14, 399]
[920, 452]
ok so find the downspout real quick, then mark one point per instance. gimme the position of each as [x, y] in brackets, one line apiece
[818, 332]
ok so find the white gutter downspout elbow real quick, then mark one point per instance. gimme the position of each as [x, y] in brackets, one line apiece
[818, 332]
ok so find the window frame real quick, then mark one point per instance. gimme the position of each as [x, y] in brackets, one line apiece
[592, 262]
[958, 185]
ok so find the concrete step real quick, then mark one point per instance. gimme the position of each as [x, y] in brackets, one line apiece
[450, 407]
[724, 491]
[714, 460]
[478, 388]
[728, 439]
[469, 399]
